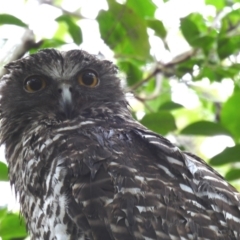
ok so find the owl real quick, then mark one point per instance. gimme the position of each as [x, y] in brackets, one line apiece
[83, 168]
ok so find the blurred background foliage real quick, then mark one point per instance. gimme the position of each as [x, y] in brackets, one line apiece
[179, 64]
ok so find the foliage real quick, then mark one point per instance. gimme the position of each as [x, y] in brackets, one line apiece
[11, 226]
[213, 56]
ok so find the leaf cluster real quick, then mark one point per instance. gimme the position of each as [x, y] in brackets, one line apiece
[213, 56]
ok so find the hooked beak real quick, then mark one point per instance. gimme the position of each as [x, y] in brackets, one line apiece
[65, 91]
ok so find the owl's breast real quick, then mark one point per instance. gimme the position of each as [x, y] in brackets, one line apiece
[48, 163]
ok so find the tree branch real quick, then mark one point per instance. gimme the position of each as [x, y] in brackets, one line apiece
[27, 43]
[166, 69]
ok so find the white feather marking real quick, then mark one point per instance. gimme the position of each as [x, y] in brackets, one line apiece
[157, 143]
[130, 190]
[204, 169]
[145, 209]
[166, 171]
[108, 201]
[147, 238]
[191, 213]
[174, 161]
[161, 235]
[46, 144]
[140, 208]
[119, 218]
[186, 188]
[215, 208]
[148, 136]
[172, 237]
[113, 164]
[196, 181]
[231, 217]
[66, 94]
[117, 228]
[212, 195]
[215, 179]
[56, 137]
[224, 224]
[195, 203]
[191, 166]
[69, 128]
[214, 228]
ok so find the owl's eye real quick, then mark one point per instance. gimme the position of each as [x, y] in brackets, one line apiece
[34, 83]
[88, 78]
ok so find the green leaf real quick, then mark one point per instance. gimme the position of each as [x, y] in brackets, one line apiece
[228, 155]
[3, 213]
[227, 46]
[215, 72]
[230, 23]
[48, 43]
[124, 31]
[230, 116]
[189, 26]
[219, 4]
[161, 122]
[158, 27]
[3, 172]
[187, 66]
[12, 227]
[154, 104]
[168, 106]
[196, 32]
[73, 29]
[134, 74]
[229, 37]
[205, 128]
[233, 174]
[52, 43]
[9, 19]
[144, 8]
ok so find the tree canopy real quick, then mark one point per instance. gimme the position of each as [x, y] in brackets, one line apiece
[183, 79]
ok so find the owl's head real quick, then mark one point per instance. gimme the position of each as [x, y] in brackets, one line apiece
[59, 86]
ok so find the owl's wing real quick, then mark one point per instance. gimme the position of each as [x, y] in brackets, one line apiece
[140, 186]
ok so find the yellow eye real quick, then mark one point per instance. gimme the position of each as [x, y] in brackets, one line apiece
[34, 83]
[88, 78]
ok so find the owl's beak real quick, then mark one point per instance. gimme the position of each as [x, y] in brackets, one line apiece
[65, 91]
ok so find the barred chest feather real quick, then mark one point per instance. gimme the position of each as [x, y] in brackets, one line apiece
[44, 168]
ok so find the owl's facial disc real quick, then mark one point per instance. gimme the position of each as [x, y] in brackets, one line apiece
[86, 79]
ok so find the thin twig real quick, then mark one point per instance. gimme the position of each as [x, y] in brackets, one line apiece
[138, 84]
[156, 91]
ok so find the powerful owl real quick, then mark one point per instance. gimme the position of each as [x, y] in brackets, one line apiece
[83, 168]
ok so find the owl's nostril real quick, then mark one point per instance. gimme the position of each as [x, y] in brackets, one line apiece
[71, 89]
[59, 90]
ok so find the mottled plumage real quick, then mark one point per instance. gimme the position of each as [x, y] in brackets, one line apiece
[85, 169]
